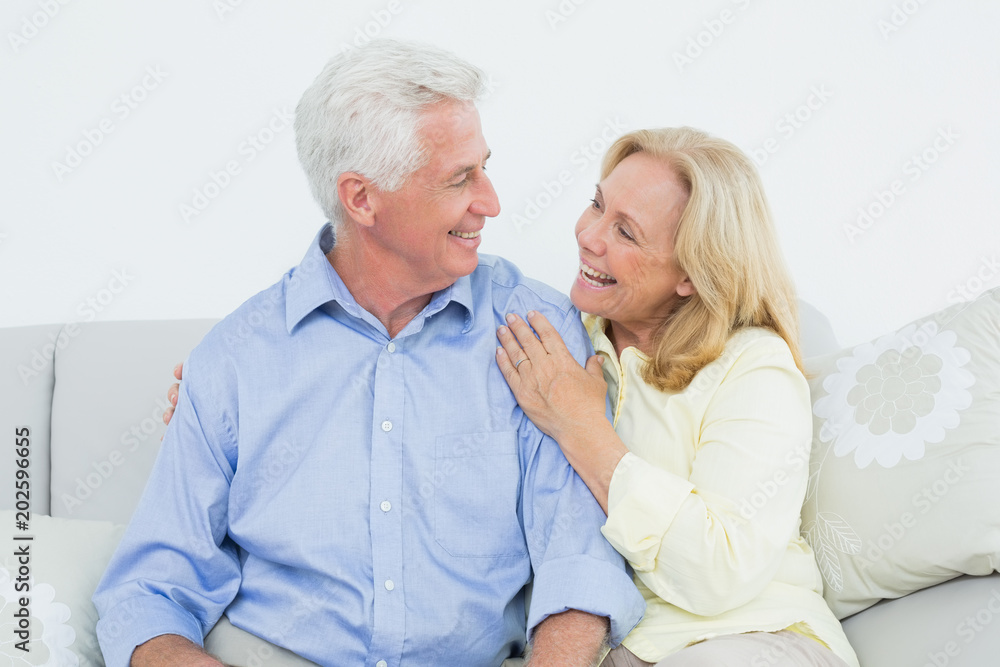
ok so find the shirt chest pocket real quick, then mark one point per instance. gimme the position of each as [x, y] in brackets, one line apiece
[476, 501]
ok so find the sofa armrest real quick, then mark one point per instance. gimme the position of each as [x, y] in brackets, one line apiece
[26, 385]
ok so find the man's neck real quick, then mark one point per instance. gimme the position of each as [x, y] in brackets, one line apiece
[382, 293]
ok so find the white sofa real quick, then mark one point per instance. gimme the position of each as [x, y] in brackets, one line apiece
[91, 396]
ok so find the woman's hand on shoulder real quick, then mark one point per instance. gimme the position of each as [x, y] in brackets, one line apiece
[555, 392]
[172, 395]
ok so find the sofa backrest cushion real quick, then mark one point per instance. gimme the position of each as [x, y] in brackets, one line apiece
[107, 409]
[816, 336]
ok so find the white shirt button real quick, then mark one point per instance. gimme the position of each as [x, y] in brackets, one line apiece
[389, 585]
[387, 426]
[391, 347]
[381, 663]
[386, 506]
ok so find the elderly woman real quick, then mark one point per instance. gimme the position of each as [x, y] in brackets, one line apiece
[693, 320]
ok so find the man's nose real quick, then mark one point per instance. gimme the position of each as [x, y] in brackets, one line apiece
[487, 203]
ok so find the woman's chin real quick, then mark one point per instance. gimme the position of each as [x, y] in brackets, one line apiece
[584, 298]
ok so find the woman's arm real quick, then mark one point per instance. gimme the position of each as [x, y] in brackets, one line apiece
[707, 542]
[563, 399]
[712, 540]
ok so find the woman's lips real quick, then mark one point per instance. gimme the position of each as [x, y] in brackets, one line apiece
[592, 276]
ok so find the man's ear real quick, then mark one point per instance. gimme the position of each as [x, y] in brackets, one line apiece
[354, 192]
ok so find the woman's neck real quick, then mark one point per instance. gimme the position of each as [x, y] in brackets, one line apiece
[622, 338]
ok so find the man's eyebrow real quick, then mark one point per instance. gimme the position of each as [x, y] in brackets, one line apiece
[465, 170]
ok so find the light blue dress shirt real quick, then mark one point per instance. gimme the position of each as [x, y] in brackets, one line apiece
[362, 500]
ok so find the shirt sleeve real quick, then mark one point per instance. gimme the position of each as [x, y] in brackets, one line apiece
[176, 570]
[713, 541]
[574, 566]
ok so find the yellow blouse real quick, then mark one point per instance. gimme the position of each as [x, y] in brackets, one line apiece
[706, 505]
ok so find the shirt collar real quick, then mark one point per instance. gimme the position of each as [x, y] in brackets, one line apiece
[596, 327]
[460, 292]
[314, 282]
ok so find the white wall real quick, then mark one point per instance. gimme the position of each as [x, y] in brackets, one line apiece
[888, 80]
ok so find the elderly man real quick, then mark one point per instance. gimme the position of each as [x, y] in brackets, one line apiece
[344, 443]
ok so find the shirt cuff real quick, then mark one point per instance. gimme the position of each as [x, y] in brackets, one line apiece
[590, 585]
[642, 502]
[137, 620]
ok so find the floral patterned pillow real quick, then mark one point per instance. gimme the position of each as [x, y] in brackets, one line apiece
[904, 490]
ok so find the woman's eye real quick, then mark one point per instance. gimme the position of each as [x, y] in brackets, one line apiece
[595, 204]
[624, 233]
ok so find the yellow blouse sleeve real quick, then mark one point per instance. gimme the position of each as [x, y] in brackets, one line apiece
[712, 541]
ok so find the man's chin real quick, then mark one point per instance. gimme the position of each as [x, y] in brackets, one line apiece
[466, 261]
[470, 266]
[455, 270]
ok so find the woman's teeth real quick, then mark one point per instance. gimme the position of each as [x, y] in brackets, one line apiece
[465, 235]
[594, 277]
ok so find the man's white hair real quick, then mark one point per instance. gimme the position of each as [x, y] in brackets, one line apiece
[363, 114]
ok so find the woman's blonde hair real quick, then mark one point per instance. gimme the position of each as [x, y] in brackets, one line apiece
[725, 242]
